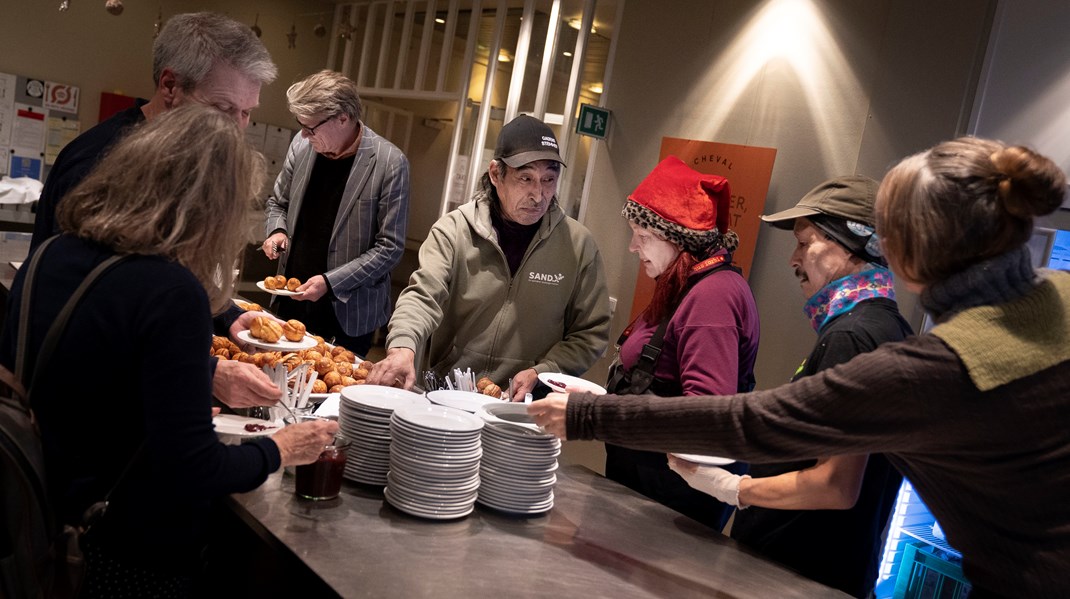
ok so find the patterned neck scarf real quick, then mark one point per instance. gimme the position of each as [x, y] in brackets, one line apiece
[843, 294]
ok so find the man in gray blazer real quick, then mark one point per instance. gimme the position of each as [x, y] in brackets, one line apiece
[337, 218]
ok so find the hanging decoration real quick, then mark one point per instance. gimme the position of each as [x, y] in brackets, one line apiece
[320, 30]
[64, 6]
[256, 27]
[345, 31]
[291, 38]
[114, 7]
[158, 24]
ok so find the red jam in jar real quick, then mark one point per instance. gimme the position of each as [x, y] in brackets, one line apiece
[322, 479]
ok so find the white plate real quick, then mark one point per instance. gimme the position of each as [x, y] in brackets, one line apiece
[705, 460]
[232, 424]
[462, 400]
[508, 413]
[438, 418]
[286, 292]
[385, 399]
[558, 381]
[283, 344]
[329, 405]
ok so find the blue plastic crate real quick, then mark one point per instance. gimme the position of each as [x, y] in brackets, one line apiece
[924, 575]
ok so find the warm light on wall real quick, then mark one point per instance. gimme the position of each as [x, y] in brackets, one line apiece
[575, 24]
[503, 56]
[595, 88]
[788, 40]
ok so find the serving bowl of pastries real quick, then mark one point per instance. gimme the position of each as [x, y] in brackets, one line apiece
[336, 367]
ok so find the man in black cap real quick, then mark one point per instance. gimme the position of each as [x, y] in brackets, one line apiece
[508, 285]
[824, 518]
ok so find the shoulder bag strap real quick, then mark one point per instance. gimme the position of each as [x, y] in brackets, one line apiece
[24, 311]
[57, 328]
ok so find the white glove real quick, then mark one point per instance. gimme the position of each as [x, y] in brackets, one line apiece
[711, 480]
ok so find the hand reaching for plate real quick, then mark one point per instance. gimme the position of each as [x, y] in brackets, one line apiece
[549, 413]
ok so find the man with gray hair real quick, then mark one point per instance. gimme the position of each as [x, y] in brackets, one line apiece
[202, 57]
[337, 216]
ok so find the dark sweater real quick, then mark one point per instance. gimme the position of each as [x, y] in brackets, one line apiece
[993, 466]
[132, 367]
[840, 548]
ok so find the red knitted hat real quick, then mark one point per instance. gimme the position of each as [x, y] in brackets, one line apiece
[685, 206]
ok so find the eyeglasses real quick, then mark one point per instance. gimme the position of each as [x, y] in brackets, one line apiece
[312, 130]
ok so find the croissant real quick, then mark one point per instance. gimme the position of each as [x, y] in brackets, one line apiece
[492, 390]
[294, 330]
[266, 329]
[292, 284]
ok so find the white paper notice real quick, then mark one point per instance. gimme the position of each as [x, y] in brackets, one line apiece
[5, 159]
[276, 142]
[255, 134]
[59, 96]
[7, 109]
[28, 130]
[60, 133]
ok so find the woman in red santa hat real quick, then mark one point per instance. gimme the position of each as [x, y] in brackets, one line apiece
[698, 335]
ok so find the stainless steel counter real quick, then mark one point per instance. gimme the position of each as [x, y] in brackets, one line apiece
[600, 540]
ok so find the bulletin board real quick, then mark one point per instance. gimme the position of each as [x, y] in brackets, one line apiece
[748, 170]
[37, 118]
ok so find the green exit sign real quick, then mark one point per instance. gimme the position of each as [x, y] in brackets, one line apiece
[593, 121]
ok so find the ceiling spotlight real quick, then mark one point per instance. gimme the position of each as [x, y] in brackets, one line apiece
[440, 20]
[567, 53]
[595, 88]
[503, 56]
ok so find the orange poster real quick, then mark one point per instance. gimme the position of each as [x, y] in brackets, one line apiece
[748, 170]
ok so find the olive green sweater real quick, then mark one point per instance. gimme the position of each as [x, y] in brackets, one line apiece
[553, 315]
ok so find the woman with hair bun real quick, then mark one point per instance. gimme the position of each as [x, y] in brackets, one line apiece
[973, 412]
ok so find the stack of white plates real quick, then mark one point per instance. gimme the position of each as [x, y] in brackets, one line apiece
[364, 417]
[516, 472]
[434, 461]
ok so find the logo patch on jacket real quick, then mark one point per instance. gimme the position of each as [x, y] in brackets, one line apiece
[545, 279]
